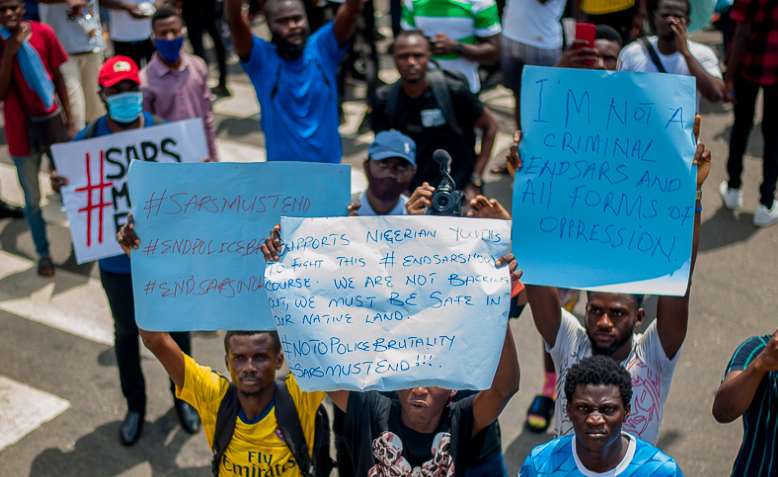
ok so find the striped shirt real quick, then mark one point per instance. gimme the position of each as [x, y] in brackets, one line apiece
[758, 454]
[462, 20]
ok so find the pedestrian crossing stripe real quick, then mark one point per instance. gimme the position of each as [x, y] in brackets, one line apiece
[24, 409]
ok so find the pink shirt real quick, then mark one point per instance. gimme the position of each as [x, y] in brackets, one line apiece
[179, 94]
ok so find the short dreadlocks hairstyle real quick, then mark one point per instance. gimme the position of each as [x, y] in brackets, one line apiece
[599, 370]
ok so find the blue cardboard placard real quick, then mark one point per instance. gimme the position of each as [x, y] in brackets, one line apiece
[201, 226]
[605, 197]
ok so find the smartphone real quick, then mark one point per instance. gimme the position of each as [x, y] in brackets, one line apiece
[586, 32]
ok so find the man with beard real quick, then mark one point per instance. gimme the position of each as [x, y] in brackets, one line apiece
[672, 52]
[609, 329]
[437, 112]
[295, 77]
[390, 166]
[598, 393]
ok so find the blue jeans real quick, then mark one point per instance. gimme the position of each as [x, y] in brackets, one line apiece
[27, 168]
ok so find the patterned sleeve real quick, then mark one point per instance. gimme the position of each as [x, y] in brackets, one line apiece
[744, 11]
[746, 352]
[566, 338]
[528, 469]
[407, 21]
[651, 347]
[487, 19]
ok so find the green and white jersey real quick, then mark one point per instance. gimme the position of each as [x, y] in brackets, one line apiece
[461, 20]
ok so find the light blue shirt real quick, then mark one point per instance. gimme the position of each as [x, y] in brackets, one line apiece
[558, 458]
[366, 210]
[298, 98]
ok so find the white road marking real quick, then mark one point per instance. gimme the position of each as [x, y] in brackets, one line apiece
[23, 409]
[72, 303]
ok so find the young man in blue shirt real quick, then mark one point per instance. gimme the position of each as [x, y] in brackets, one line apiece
[598, 392]
[295, 77]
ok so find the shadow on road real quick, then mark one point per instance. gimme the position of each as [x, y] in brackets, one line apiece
[521, 447]
[725, 228]
[100, 454]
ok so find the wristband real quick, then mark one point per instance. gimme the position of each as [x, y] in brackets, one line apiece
[699, 194]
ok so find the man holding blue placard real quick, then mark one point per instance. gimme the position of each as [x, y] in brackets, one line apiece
[295, 77]
[119, 82]
[611, 319]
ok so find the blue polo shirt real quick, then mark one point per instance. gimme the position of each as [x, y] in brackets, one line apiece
[298, 98]
[119, 263]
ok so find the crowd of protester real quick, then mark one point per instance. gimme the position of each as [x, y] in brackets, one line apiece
[62, 77]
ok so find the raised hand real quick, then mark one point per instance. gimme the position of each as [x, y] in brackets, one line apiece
[273, 246]
[702, 155]
[481, 207]
[420, 200]
[768, 359]
[127, 237]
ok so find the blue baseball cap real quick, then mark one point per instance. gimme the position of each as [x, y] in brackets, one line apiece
[388, 144]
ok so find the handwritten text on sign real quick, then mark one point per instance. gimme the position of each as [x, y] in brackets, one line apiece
[202, 226]
[391, 302]
[97, 199]
[605, 197]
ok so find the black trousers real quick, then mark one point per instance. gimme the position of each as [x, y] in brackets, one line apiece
[139, 51]
[203, 16]
[118, 289]
[745, 104]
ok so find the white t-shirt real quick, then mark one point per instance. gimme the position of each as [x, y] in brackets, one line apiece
[635, 58]
[81, 34]
[365, 209]
[534, 23]
[125, 27]
[623, 464]
[651, 371]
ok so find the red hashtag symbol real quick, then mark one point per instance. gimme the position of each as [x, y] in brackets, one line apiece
[90, 205]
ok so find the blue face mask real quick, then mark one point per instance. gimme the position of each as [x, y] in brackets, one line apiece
[169, 50]
[125, 107]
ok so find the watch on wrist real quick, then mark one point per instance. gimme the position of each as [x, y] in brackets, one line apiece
[459, 48]
[477, 181]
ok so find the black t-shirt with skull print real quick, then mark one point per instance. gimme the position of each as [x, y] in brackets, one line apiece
[381, 446]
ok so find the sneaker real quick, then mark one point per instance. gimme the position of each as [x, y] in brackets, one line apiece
[733, 198]
[765, 216]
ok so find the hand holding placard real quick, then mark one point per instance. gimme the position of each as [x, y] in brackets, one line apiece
[390, 302]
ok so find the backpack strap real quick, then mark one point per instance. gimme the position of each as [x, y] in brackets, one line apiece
[291, 429]
[653, 55]
[437, 82]
[225, 426]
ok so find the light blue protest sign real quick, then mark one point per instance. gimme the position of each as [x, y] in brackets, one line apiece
[390, 303]
[605, 197]
[201, 226]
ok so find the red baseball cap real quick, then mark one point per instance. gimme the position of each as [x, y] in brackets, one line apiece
[116, 69]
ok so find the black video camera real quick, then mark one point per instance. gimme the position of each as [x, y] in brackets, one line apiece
[446, 200]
